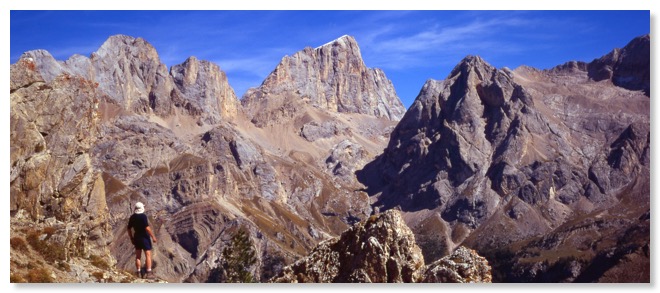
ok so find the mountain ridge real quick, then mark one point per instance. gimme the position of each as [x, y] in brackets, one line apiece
[510, 163]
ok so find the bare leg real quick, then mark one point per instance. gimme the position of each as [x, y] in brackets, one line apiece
[138, 255]
[147, 253]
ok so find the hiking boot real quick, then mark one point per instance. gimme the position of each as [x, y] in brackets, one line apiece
[138, 274]
[149, 275]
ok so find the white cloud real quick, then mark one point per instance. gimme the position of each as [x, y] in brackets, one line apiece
[393, 48]
[257, 66]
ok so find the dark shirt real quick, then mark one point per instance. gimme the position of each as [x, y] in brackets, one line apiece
[139, 223]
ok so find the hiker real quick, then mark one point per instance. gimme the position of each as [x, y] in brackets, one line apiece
[141, 237]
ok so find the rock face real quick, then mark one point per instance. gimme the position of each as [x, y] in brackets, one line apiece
[129, 71]
[211, 96]
[545, 173]
[629, 67]
[489, 158]
[57, 198]
[464, 265]
[331, 77]
[382, 249]
[126, 130]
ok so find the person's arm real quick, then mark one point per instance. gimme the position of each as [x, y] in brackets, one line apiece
[153, 237]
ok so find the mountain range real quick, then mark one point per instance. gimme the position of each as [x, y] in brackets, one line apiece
[543, 173]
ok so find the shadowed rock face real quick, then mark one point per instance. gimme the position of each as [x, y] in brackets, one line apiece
[492, 158]
[331, 77]
[629, 67]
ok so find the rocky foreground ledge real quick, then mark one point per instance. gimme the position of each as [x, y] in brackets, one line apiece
[383, 249]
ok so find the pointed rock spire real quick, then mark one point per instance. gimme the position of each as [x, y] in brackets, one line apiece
[332, 77]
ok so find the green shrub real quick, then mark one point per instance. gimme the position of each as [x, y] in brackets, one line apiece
[238, 257]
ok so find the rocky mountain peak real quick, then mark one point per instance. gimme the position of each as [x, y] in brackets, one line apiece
[331, 77]
[345, 44]
[207, 89]
[122, 45]
[522, 153]
[471, 62]
[47, 66]
[628, 67]
[129, 70]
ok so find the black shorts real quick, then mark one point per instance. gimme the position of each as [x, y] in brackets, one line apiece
[143, 243]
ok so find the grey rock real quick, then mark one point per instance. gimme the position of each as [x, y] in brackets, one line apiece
[628, 67]
[378, 250]
[205, 91]
[312, 131]
[129, 71]
[463, 265]
[331, 77]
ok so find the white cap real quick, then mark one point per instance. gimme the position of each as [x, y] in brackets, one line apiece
[139, 208]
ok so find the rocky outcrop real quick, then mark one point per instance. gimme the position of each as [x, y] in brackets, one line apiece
[464, 265]
[345, 158]
[204, 91]
[628, 67]
[382, 249]
[331, 77]
[57, 196]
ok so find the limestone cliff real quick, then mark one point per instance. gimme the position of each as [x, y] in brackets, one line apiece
[332, 77]
[57, 196]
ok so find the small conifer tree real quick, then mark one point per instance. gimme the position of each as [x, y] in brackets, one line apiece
[238, 257]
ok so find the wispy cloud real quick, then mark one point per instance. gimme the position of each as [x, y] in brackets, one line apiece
[399, 50]
[257, 66]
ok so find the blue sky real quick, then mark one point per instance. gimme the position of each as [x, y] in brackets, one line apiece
[410, 46]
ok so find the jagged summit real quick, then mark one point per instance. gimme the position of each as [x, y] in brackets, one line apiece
[490, 158]
[332, 77]
[129, 71]
[208, 90]
[343, 40]
[382, 249]
[628, 67]
[543, 172]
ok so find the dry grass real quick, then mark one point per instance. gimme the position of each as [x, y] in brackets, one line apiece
[49, 231]
[64, 266]
[38, 275]
[99, 262]
[18, 243]
[98, 275]
[14, 278]
[50, 251]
